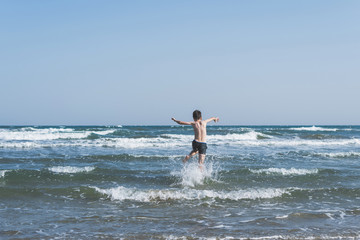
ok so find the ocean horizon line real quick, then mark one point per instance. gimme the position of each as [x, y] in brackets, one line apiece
[169, 125]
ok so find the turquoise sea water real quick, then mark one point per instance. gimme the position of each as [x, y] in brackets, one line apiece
[128, 182]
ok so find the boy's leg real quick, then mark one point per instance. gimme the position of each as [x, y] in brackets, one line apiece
[187, 157]
[201, 159]
[202, 154]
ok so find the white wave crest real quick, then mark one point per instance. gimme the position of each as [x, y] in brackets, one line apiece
[70, 169]
[340, 154]
[178, 140]
[35, 134]
[299, 142]
[3, 172]
[252, 135]
[313, 128]
[122, 193]
[284, 171]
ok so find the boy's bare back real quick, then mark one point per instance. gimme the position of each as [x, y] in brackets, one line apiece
[200, 130]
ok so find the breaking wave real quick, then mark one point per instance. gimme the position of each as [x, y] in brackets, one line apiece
[70, 169]
[284, 171]
[132, 143]
[3, 172]
[313, 128]
[339, 154]
[34, 134]
[121, 193]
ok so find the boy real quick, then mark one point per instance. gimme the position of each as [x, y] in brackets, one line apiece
[199, 143]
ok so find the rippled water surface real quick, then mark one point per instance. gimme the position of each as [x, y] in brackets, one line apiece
[128, 182]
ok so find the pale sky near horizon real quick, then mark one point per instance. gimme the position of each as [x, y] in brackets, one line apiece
[143, 62]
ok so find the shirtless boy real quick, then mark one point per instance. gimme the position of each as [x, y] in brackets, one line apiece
[199, 143]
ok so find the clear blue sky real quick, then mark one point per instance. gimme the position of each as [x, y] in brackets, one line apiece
[143, 62]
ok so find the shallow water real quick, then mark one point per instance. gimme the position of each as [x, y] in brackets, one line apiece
[128, 182]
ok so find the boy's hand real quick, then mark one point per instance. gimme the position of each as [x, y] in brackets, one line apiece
[173, 119]
[216, 119]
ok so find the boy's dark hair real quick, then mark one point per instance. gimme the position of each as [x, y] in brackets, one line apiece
[196, 115]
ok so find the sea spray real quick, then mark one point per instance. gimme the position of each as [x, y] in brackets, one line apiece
[192, 174]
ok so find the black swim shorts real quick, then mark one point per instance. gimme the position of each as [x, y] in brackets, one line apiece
[199, 146]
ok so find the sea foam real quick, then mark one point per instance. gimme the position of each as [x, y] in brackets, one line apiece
[252, 135]
[144, 143]
[35, 134]
[284, 171]
[70, 169]
[68, 137]
[121, 193]
[340, 154]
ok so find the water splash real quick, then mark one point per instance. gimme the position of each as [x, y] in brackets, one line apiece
[192, 174]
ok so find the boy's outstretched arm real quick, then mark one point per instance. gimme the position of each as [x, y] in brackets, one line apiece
[181, 122]
[215, 119]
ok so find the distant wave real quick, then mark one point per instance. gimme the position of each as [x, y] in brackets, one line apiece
[339, 154]
[299, 142]
[252, 135]
[313, 128]
[31, 137]
[70, 169]
[284, 171]
[121, 193]
[34, 134]
[181, 141]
